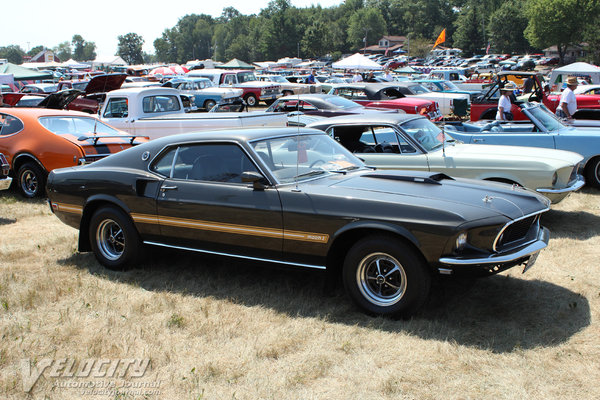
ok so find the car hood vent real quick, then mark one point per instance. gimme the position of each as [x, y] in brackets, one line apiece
[433, 179]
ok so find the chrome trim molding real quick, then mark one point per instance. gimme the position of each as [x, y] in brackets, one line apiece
[578, 184]
[321, 267]
[536, 246]
[494, 246]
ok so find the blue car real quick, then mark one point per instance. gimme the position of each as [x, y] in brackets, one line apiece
[542, 129]
[206, 93]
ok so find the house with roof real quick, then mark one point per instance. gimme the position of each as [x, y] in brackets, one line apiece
[45, 56]
[386, 43]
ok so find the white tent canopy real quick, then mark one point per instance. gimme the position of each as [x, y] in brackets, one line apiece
[357, 61]
[74, 64]
[581, 69]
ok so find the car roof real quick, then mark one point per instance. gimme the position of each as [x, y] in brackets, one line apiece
[35, 112]
[367, 119]
[240, 135]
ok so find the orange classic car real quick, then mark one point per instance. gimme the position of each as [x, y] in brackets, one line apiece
[35, 141]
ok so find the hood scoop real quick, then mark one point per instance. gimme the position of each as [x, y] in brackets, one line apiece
[432, 179]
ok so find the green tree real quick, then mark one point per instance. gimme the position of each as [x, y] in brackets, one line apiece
[35, 50]
[130, 48]
[365, 26]
[63, 51]
[558, 22]
[13, 54]
[506, 28]
[165, 47]
[469, 34]
[82, 50]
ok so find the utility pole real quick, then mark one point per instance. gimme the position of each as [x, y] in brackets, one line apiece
[365, 39]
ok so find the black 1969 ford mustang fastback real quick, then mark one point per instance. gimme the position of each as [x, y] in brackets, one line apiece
[297, 197]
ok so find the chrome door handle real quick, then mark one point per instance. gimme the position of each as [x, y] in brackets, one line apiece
[478, 140]
[165, 188]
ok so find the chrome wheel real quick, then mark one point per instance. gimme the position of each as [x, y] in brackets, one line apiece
[381, 279]
[29, 183]
[31, 180]
[110, 239]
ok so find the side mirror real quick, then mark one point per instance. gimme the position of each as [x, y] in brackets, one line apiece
[256, 179]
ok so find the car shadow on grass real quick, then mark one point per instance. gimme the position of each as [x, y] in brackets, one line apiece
[577, 225]
[499, 313]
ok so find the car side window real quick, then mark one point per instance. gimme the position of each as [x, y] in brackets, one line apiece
[9, 125]
[116, 108]
[214, 162]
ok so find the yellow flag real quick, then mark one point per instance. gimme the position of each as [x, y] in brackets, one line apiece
[440, 39]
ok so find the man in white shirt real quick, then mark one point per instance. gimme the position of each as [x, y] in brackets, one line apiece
[568, 103]
[504, 105]
[357, 77]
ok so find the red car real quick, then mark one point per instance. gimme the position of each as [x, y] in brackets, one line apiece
[382, 95]
[93, 91]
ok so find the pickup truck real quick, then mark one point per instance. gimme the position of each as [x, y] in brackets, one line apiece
[254, 90]
[158, 111]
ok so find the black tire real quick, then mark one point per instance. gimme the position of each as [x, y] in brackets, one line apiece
[209, 104]
[114, 239]
[31, 180]
[385, 276]
[251, 100]
[592, 172]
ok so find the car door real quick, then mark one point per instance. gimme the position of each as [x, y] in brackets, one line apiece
[381, 146]
[203, 203]
[116, 114]
[515, 134]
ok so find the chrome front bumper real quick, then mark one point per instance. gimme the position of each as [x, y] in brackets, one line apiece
[497, 259]
[556, 195]
[5, 183]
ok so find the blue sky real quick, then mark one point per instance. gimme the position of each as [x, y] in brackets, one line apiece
[41, 22]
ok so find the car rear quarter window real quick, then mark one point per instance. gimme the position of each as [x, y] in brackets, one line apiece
[78, 126]
[9, 125]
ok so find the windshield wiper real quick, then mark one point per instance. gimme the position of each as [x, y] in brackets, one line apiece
[310, 173]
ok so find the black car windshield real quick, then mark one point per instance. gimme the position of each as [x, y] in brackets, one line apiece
[426, 133]
[546, 118]
[78, 126]
[300, 157]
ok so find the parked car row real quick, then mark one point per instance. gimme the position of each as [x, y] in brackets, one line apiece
[376, 194]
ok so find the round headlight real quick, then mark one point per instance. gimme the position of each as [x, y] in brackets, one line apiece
[461, 241]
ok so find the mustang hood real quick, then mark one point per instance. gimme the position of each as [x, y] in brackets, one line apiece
[473, 198]
[558, 158]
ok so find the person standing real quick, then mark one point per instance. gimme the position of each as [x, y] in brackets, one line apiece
[311, 77]
[568, 103]
[504, 104]
[357, 77]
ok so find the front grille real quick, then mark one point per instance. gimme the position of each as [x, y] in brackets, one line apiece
[518, 233]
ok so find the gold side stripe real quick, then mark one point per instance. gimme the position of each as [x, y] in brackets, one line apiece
[230, 228]
[70, 208]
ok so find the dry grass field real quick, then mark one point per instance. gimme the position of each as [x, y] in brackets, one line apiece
[220, 329]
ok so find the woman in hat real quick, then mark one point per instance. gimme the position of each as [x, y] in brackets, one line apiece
[504, 104]
[568, 103]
